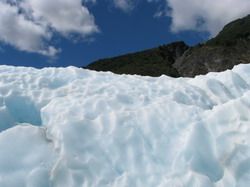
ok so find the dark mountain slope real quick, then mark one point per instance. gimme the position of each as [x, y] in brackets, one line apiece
[229, 48]
[152, 62]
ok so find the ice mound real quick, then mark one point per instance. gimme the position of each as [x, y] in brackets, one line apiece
[68, 127]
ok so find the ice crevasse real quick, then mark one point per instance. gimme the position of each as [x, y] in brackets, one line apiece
[69, 127]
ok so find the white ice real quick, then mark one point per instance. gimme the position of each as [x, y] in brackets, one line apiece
[69, 127]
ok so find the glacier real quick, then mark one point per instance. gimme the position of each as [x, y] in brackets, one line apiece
[69, 127]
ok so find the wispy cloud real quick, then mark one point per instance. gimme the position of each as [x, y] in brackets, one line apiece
[125, 5]
[29, 25]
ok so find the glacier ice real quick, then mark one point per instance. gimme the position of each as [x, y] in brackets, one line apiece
[71, 127]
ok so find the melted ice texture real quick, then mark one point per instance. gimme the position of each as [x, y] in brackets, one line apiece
[68, 127]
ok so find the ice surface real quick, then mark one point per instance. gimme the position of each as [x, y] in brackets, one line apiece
[68, 127]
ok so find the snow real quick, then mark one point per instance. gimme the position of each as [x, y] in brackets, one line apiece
[71, 127]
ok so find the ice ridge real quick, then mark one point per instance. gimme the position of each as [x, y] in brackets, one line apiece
[73, 127]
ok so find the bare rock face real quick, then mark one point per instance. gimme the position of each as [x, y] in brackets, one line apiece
[201, 60]
[230, 47]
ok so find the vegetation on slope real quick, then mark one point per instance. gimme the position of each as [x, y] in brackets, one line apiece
[152, 62]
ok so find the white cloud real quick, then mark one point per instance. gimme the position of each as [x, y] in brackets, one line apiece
[205, 15]
[21, 33]
[65, 16]
[29, 25]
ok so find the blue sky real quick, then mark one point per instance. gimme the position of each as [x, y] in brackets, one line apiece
[59, 33]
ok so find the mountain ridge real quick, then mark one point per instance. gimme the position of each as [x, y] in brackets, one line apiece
[230, 47]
